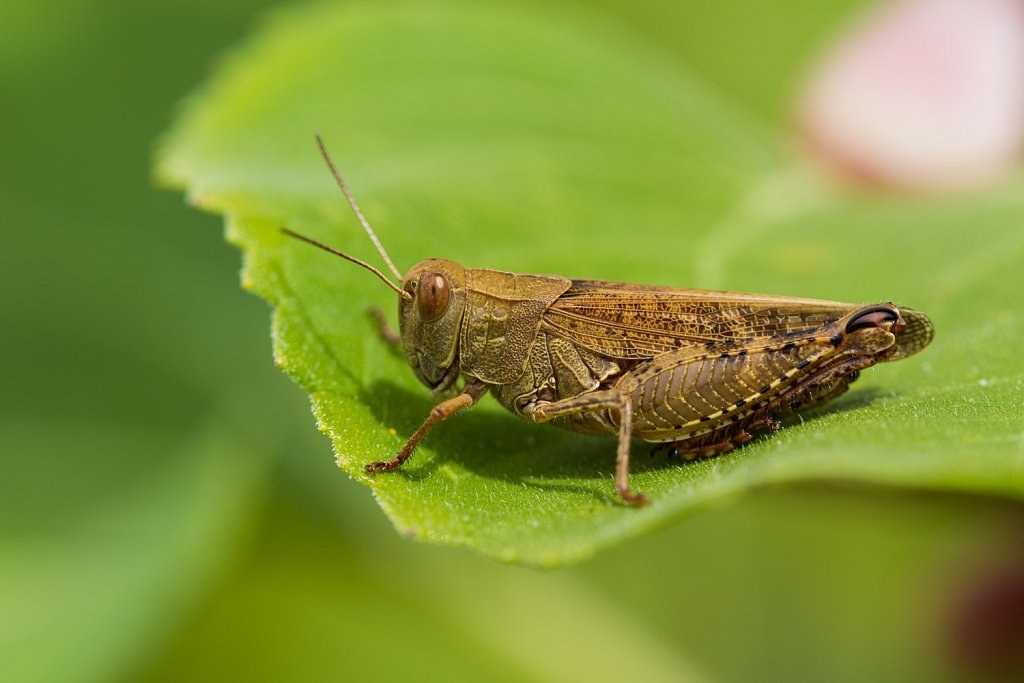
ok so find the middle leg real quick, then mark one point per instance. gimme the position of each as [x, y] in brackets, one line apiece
[591, 402]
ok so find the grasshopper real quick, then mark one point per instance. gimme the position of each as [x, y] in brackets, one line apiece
[695, 370]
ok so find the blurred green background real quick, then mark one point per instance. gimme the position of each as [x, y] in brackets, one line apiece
[169, 512]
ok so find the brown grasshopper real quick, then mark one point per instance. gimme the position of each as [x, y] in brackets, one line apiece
[695, 370]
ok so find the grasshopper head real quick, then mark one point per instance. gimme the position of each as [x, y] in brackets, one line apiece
[430, 320]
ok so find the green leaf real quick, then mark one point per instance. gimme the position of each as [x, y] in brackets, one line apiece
[559, 143]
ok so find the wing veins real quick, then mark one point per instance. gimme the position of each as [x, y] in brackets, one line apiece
[626, 326]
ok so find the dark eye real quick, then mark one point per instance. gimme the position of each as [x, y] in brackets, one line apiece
[434, 295]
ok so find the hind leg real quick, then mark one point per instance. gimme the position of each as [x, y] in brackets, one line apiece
[694, 449]
[717, 444]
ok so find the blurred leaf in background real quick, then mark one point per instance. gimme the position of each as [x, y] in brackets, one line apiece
[134, 453]
[167, 512]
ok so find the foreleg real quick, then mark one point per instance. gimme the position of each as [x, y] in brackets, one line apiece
[390, 337]
[471, 393]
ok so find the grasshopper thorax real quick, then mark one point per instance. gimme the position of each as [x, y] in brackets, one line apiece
[430, 320]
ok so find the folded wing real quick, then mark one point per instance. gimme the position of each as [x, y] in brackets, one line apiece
[626, 321]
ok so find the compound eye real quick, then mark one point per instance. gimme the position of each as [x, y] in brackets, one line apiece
[434, 295]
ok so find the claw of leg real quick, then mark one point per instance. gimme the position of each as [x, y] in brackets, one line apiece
[634, 498]
[382, 466]
[743, 436]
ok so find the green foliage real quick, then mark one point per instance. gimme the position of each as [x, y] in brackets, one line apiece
[560, 143]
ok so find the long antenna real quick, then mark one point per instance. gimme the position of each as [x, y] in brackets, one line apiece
[401, 292]
[355, 208]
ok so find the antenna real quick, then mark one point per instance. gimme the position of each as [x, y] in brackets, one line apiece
[401, 292]
[355, 208]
